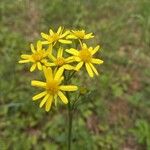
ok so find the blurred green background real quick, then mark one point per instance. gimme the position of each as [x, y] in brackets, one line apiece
[116, 115]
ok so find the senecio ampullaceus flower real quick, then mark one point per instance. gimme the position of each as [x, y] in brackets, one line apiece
[60, 56]
[55, 59]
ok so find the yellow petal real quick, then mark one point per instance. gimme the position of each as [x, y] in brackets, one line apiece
[59, 73]
[76, 58]
[44, 61]
[95, 49]
[48, 103]
[33, 67]
[94, 69]
[72, 51]
[65, 41]
[89, 70]
[89, 36]
[64, 34]
[38, 83]
[59, 30]
[45, 36]
[52, 57]
[84, 46]
[79, 65]
[51, 32]
[32, 48]
[68, 67]
[39, 45]
[48, 73]
[49, 64]
[69, 59]
[38, 96]
[50, 48]
[63, 97]
[90, 50]
[68, 88]
[96, 61]
[60, 52]
[73, 31]
[24, 61]
[25, 56]
[71, 37]
[44, 100]
[45, 42]
[61, 79]
[39, 65]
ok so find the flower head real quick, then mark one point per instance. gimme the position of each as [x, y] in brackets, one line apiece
[38, 57]
[58, 61]
[79, 34]
[52, 88]
[61, 61]
[54, 37]
[85, 57]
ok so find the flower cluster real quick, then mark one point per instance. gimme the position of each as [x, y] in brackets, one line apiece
[55, 54]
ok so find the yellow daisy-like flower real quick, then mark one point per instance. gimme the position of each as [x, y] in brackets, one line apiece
[54, 37]
[85, 56]
[52, 88]
[60, 61]
[79, 34]
[38, 58]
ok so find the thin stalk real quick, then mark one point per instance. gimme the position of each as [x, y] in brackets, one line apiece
[70, 115]
[69, 125]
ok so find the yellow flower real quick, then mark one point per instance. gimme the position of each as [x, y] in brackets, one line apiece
[38, 57]
[85, 56]
[60, 61]
[53, 37]
[52, 88]
[79, 34]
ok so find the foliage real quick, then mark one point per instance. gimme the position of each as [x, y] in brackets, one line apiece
[119, 97]
[142, 132]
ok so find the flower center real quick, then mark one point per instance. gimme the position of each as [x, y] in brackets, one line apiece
[60, 61]
[55, 37]
[85, 55]
[80, 34]
[52, 87]
[37, 56]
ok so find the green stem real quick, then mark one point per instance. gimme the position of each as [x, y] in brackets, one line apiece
[69, 116]
[69, 125]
